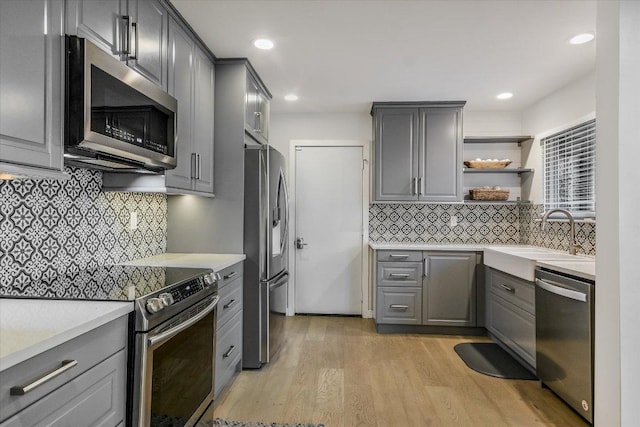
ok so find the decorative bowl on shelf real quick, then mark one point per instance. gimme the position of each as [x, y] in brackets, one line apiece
[487, 164]
[488, 193]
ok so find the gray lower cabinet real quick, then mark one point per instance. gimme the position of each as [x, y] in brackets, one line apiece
[511, 313]
[92, 392]
[433, 288]
[31, 82]
[449, 289]
[418, 151]
[229, 327]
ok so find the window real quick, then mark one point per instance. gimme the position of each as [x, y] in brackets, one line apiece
[569, 170]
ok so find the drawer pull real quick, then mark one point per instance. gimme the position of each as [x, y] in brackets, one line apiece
[22, 390]
[229, 304]
[400, 275]
[398, 256]
[507, 288]
[230, 275]
[229, 352]
[399, 307]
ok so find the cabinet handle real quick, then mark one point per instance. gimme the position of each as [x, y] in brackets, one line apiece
[414, 185]
[426, 267]
[398, 256]
[229, 352]
[199, 165]
[401, 275]
[230, 275]
[124, 45]
[194, 165]
[399, 307]
[258, 120]
[133, 48]
[22, 390]
[507, 288]
[229, 304]
[419, 186]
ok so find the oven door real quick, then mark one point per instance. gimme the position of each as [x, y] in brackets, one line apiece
[176, 363]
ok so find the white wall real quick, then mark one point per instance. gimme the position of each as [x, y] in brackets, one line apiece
[492, 123]
[617, 337]
[566, 107]
[286, 127]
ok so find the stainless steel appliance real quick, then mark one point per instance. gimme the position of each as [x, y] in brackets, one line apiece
[172, 335]
[266, 229]
[115, 119]
[564, 338]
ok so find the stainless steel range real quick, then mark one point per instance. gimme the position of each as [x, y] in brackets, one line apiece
[172, 335]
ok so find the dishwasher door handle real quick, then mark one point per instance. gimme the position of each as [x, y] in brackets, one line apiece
[563, 292]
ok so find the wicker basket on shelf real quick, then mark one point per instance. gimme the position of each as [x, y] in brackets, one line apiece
[487, 164]
[490, 194]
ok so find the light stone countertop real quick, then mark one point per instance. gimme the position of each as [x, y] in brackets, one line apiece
[396, 246]
[585, 269]
[29, 327]
[216, 262]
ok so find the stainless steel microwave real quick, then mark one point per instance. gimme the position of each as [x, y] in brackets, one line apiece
[115, 119]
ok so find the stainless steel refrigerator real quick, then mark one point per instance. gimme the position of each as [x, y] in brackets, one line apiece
[266, 227]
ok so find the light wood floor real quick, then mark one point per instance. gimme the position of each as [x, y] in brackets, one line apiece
[340, 372]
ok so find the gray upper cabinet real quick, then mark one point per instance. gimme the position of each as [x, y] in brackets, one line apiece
[257, 110]
[135, 31]
[149, 20]
[192, 83]
[31, 82]
[98, 21]
[396, 153]
[449, 291]
[418, 151]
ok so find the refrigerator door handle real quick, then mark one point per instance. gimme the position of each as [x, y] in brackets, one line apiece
[285, 235]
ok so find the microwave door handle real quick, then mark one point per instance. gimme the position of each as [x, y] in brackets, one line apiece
[167, 335]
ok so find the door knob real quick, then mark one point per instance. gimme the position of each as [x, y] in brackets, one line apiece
[300, 244]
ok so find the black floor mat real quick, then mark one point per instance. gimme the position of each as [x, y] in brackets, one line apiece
[490, 359]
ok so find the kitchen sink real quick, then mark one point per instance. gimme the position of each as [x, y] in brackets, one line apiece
[520, 261]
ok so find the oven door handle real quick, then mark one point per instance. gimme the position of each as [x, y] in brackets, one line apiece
[161, 338]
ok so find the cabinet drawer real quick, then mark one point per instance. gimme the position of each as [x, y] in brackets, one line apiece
[399, 274]
[88, 350]
[230, 301]
[399, 305]
[228, 351]
[514, 327]
[515, 290]
[400, 256]
[95, 398]
[229, 274]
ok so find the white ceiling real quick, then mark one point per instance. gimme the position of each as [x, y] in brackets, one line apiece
[341, 55]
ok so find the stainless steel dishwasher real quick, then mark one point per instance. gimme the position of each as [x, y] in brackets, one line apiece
[564, 338]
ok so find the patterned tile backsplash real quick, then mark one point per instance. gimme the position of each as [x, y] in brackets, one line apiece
[48, 227]
[509, 224]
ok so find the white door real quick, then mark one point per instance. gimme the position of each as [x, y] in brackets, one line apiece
[328, 219]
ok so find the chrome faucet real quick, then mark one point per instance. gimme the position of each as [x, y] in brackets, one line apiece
[573, 245]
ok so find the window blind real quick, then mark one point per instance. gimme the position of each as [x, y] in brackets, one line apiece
[569, 170]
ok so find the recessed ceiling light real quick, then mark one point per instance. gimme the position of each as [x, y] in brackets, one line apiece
[504, 95]
[291, 97]
[264, 44]
[582, 38]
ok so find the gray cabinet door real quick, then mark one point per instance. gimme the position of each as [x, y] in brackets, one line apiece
[150, 19]
[263, 109]
[448, 292]
[98, 21]
[256, 120]
[396, 153]
[31, 82]
[181, 57]
[204, 85]
[95, 398]
[440, 154]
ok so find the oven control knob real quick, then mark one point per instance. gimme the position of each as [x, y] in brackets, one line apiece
[166, 299]
[209, 279]
[154, 305]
